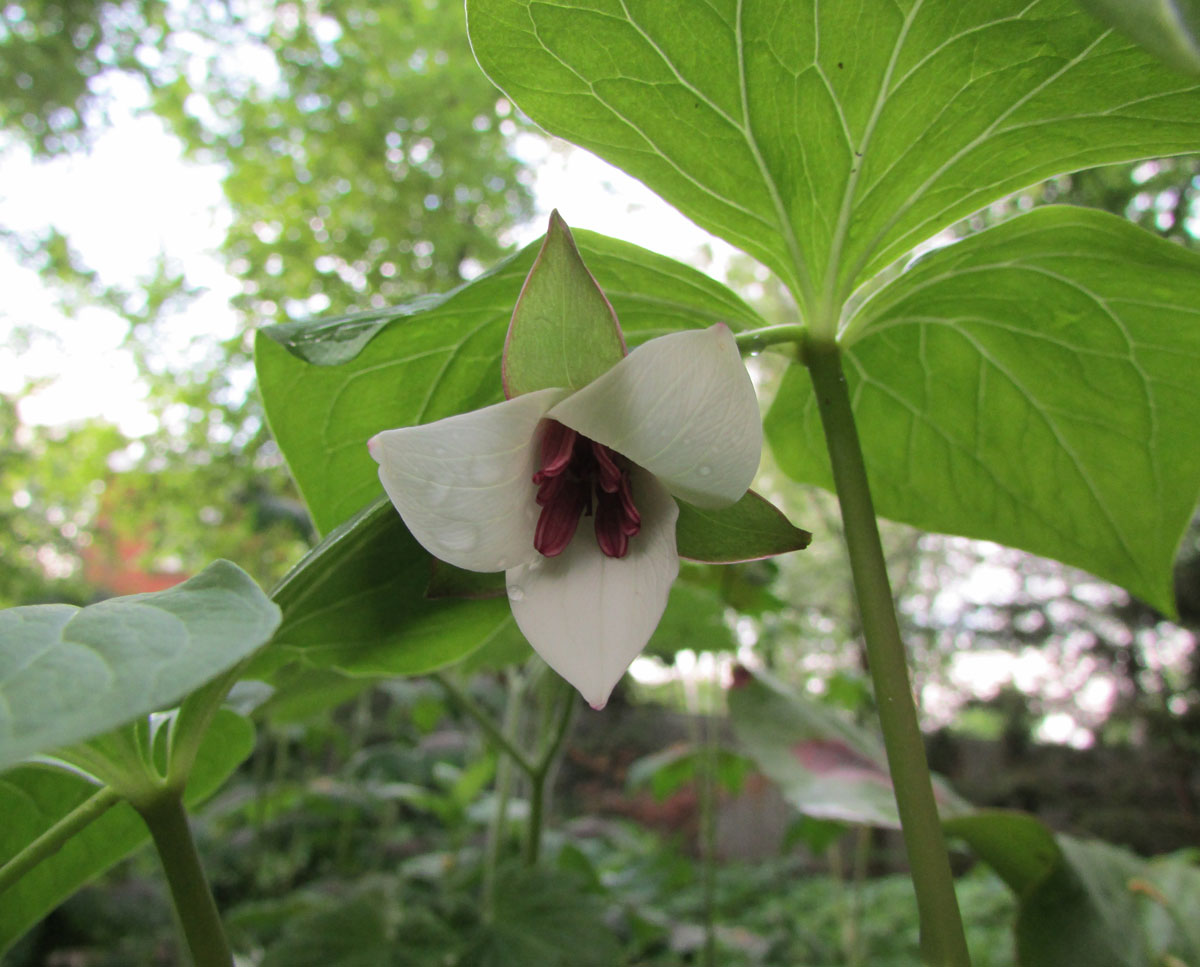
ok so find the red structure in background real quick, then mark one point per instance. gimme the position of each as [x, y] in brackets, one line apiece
[113, 565]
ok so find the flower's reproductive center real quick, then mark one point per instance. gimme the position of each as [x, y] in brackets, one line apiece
[580, 476]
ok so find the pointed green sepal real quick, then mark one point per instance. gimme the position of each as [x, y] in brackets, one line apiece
[564, 332]
[749, 530]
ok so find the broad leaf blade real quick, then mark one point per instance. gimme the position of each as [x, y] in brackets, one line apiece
[1033, 385]
[444, 358]
[34, 798]
[824, 766]
[828, 139]
[68, 673]
[357, 603]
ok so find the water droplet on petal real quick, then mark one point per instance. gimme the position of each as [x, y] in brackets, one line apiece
[515, 592]
[438, 492]
[704, 471]
[534, 564]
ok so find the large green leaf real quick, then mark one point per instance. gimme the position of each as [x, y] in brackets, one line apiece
[828, 139]
[421, 363]
[825, 767]
[1035, 385]
[357, 603]
[68, 673]
[33, 798]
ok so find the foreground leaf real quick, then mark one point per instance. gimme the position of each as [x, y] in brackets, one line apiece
[824, 766]
[751, 529]
[68, 673]
[34, 798]
[357, 603]
[416, 364]
[1034, 385]
[828, 139]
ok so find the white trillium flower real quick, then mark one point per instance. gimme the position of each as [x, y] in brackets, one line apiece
[589, 478]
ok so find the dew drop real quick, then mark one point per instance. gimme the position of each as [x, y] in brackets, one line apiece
[704, 471]
[438, 493]
[515, 592]
[534, 564]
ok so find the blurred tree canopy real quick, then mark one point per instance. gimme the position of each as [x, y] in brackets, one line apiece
[366, 160]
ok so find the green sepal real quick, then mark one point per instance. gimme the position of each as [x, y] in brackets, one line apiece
[749, 530]
[564, 332]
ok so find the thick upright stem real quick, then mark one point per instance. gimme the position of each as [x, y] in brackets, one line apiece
[943, 943]
[194, 904]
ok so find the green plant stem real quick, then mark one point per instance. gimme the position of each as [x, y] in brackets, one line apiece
[167, 819]
[484, 721]
[943, 942]
[52, 840]
[541, 770]
[498, 826]
[756, 340]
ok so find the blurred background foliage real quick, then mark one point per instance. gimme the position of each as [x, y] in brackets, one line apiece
[366, 161]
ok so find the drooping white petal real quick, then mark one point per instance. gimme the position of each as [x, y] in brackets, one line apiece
[589, 615]
[464, 484]
[683, 407]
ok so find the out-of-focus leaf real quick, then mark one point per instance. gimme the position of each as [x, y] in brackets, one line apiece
[544, 918]
[69, 673]
[824, 766]
[671, 769]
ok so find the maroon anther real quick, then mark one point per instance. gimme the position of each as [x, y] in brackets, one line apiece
[579, 476]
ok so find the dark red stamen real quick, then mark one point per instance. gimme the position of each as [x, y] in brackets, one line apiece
[558, 443]
[575, 476]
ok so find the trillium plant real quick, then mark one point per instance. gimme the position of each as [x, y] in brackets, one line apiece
[1031, 377]
[571, 489]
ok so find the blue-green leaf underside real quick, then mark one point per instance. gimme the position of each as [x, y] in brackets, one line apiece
[69, 673]
[33, 798]
[444, 358]
[829, 139]
[1035, 385]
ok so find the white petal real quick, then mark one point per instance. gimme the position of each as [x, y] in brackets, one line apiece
[683, 407]
[464, 484]
[589, 615]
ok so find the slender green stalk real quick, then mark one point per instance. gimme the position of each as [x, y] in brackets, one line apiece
[485, 722]
[943, 943]
[541, 770]
[708, 833]
[168, 822]
[52, 840]
[498, 824]
[756, 340]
